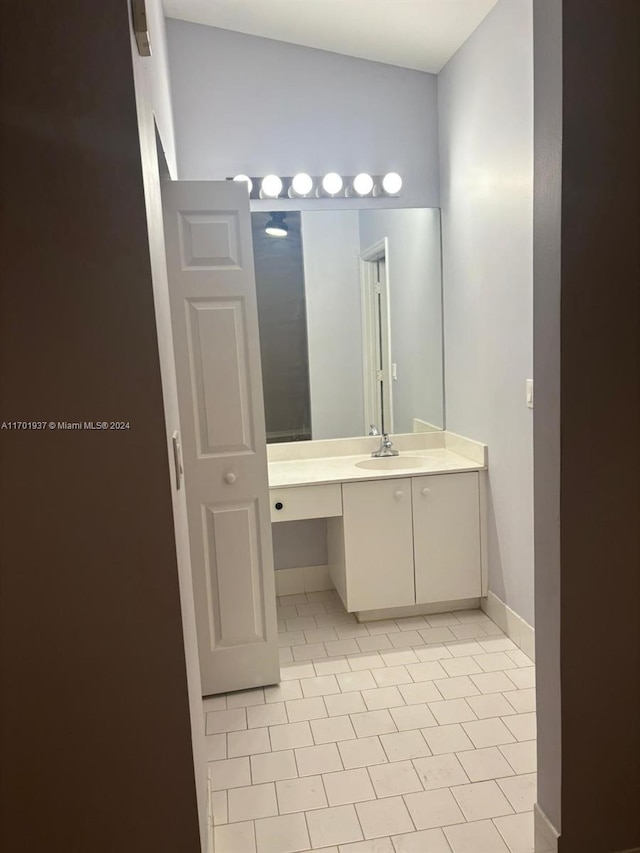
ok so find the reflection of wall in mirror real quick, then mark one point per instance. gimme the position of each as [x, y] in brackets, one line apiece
[331, 248]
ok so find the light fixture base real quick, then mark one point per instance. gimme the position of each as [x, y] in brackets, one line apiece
[347, 190]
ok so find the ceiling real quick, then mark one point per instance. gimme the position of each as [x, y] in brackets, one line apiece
[418, 34]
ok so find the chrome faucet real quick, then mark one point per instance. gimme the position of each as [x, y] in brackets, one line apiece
[373, 429]
[386, 447]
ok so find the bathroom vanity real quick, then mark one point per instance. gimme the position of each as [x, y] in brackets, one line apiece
[403, 532]
[351, 336]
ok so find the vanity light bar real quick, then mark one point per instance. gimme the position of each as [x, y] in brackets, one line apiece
[331, 185]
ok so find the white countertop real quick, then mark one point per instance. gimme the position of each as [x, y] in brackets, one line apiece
[342, 469]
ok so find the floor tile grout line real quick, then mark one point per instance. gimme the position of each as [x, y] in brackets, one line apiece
[506, 843]
[421, 645]
[324, 787]
[353, 805]
[306, 823]
[504, 718]
[379, 663]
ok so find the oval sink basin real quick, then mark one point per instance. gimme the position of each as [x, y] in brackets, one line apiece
[391, 463]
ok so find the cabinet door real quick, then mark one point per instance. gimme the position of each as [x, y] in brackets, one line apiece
[378, 544]
[446, 534]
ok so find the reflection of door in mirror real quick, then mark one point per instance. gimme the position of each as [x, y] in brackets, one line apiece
[283, 325]
[376, 338]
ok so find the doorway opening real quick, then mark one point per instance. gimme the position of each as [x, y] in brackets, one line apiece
[378, 369]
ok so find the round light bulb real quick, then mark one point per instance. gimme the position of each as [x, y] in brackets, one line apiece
[276, 231]
[332, 183]
[247, 180]
[271, 186]
[392, 183]
[363, 183]
[276, 225]
[302, 184]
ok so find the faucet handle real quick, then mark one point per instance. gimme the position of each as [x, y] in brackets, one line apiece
[373, 429]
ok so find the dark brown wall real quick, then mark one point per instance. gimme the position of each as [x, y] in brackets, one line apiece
[599, 300]
[600, 427]
[96, 752]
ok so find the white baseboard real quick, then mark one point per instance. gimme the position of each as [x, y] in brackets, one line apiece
[545, 834]
[514, 626]
[416, 610]
[303, 579]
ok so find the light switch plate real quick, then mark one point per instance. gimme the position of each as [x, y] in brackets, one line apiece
[529, 392]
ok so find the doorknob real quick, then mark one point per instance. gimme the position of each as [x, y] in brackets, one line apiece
[230, 478]
[425, 492]
[398, 495]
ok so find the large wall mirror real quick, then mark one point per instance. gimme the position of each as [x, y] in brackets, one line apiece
[350, 315]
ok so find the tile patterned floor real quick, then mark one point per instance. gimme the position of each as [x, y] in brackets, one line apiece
[412, 735]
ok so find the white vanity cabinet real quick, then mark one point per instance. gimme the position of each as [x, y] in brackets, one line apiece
[446, 537]
[297, 503]
[378, 544]
[409, 541]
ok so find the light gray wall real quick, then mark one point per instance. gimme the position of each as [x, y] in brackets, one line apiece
[244, 104]
[155, 72]
[546, 320]
[415, 282]
[331, 250]
[300, 543]
[485, 102]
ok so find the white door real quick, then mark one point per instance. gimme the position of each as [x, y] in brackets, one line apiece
[446, 534]
[376, 338]
[215, 333]
[378, 544]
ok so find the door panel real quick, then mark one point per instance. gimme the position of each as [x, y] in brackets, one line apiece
[210, 240]
[446, 529]
[378, 544]
[233, 572]
[217, 338]
[215, 332]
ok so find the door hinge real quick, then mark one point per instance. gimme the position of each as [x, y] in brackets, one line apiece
[141, 27]
[378, 289]
[177, 460]
[379, 375]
